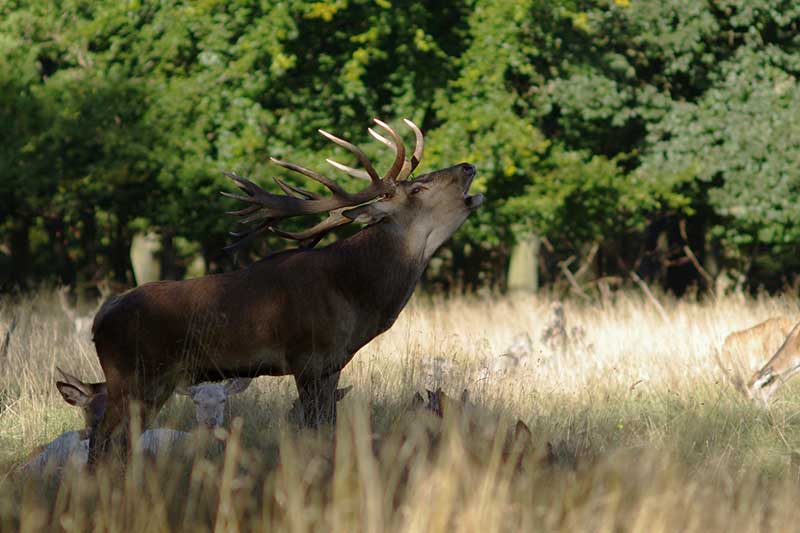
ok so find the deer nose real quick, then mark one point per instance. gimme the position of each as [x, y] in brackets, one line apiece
[468, 170]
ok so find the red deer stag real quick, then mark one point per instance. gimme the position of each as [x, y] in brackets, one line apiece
[303, 312]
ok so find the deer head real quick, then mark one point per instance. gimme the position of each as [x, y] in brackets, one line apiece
[782, 366]
[90, 397]
[425, 210]
[210, 398]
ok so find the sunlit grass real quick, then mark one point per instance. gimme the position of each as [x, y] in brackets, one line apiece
[646, 433]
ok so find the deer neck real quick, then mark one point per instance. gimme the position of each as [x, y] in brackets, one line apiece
[379, 268]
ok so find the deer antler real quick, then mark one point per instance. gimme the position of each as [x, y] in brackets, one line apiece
[267, 209]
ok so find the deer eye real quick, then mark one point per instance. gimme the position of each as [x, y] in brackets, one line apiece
[417, 189]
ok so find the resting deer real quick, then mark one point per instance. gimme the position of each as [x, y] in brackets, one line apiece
[303, 312]
[744, 351]
[480, 426]
[209, 401]
[71, 445]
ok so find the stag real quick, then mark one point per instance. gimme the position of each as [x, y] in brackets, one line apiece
[303, 312]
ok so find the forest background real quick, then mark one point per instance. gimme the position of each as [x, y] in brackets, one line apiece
[615, 140]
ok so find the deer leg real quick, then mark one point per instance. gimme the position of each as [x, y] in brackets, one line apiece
[318, 399]
[112, 434]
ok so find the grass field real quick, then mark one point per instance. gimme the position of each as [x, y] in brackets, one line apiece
[647, 434]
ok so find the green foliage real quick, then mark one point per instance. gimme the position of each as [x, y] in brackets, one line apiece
[747, 128]
[596, 121]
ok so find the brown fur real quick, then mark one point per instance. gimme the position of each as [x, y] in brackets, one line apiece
[743, 352]
[777, 371]
[301, 312]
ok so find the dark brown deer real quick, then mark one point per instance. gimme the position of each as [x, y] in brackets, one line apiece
[303, 312]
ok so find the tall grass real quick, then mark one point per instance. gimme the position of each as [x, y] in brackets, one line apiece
[647, 434]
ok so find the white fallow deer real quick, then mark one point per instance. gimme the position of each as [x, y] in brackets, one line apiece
[303, 312]
[743, 354]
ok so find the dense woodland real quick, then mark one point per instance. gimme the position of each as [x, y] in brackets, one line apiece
[635, 139]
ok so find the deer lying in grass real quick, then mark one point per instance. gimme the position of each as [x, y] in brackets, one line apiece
[73, 446]
[743, 352]
[481, 428]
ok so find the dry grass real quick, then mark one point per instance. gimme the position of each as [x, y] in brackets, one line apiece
[648, 435]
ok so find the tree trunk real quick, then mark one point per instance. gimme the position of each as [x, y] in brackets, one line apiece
[523, 270]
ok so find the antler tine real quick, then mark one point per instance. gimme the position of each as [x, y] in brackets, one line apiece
[355, 172]
[244, 212]
[246, 236]
[297, 192]
[419, 146]
[362, 157]
[334, 220]
[400, 151]
[316, 176]
[382, 139]
[265, 210]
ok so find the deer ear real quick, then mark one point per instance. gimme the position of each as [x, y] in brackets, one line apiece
[72, 394]
[364, 214]
[523, 432]
[417, 401]
[237, 385]
[341, 393]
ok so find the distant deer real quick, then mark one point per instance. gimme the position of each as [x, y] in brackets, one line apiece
[778, 370]
[554, 335]
[81, 323]
[482, 425]
[743, 352]
[303, 312]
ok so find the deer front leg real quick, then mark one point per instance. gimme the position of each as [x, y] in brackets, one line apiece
[317, 397]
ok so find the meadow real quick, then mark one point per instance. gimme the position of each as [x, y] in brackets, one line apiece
[646, 434]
